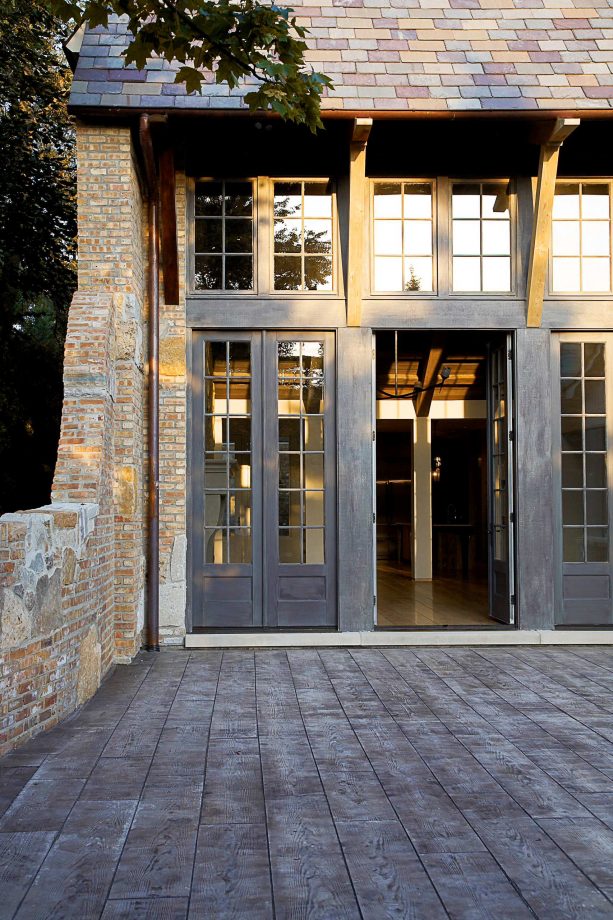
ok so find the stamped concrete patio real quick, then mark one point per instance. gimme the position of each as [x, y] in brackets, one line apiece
[321, 784]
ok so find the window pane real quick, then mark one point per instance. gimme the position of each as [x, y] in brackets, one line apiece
[572, 433]
[594, 397]
[572, 507]
[289, 471]
[215, 546]
[596, 471]
[596, 275]
[318, 273]
[595, 238]
[496, 237]
[566, 275]
[595, 434]
[288, 235]
[570, 392]
[313, 508]
[417, 237]
[388, 237]
[465, 201]
[314, 547]
[387, 200]
[566, 201]
[289, 508]
[239, 434]
[288, 273]
[215, 508]
[287, 199]
[239, 397]
[209, 236]
[596, 506]
[240, 545]
[240, 359]
[215, 359]
[239, 508]
[418, 201]
[418, 274]
[572, 471]
[208, 273]
[239, 199]
[594, 359]
[597, 544]
[595, 201]
[496, 274]
[466, 237]
[466, 274]
[574, 550]
[239, 273]
[388, 274]
[290, 545]
[318, 236]
[570, 359]
[313, 433]
[239, 235]
[289, 434]
[209, 198]
[495, 202]
[317, 199]
[565, 238]
[314, 471]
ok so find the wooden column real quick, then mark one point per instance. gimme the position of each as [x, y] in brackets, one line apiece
[355, 480]
[534, 479]
[357, 204]
[543, 208]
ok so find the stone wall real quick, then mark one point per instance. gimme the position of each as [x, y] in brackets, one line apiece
[72, 573]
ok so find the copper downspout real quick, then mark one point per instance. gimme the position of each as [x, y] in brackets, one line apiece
[152, 637]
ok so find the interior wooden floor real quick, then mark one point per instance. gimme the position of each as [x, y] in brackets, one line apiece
[444, 601]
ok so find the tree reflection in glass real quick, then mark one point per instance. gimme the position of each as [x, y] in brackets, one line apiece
[302, 236]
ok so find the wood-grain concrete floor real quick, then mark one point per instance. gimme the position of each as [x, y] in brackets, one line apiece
[322, 784]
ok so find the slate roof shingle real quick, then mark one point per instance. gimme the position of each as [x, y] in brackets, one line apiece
[400, 55]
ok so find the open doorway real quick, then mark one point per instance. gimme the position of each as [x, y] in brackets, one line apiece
[443, 481]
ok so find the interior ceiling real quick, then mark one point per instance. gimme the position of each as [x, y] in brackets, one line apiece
[402, 364]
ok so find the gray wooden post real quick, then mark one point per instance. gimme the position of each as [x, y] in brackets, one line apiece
[355, 479]
[534, 480]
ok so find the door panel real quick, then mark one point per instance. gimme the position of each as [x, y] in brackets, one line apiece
[226, 484]
[299, 482]
[500, 504]
[263, 481]
[584, 479]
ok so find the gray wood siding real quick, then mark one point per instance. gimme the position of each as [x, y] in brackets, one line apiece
[534, 480]
[355, 479]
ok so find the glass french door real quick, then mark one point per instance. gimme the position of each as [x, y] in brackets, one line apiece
[584, 480]
[500, 484]
[263, 527]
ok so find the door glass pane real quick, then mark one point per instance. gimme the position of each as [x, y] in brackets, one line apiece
[584, 452]
[301, 484]
[227, 441]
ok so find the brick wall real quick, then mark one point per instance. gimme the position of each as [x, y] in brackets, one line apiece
[72, 573]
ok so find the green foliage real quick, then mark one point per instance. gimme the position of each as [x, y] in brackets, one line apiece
[37, 247]
[234, 39]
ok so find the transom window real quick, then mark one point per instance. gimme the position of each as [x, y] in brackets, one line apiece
[581, 238]
[302, 236]
[481, 237]
[402, 236]
[224, 236]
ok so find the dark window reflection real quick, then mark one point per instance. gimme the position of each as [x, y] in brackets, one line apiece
[224, 226]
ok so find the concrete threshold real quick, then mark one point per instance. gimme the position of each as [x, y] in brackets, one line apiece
[443, 637]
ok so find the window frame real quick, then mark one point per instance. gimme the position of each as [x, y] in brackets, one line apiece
[192, 290]
[512, 293]
[550, 292]
[414, 180]
[271, 290]
[263, 241]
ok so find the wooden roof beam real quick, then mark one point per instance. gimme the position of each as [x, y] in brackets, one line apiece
[543, 210]
[433, 364]
[357, 210]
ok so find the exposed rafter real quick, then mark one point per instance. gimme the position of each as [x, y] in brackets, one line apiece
[428, 378]
[357, 204]
[557, 133]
